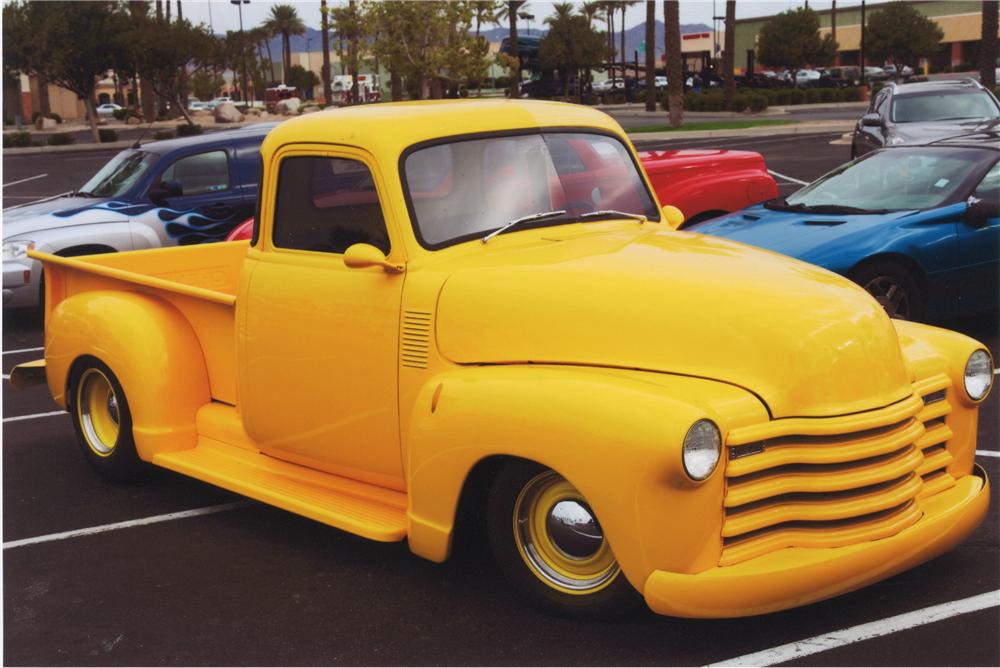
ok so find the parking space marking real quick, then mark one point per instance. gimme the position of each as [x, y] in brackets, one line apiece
[33, 416]
[22, 350]
[882, 627]
[787, 178]
[988, 453]
[155, 519]
[30, 178]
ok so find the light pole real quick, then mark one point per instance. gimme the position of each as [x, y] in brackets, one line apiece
[309, 63]
[243, 54]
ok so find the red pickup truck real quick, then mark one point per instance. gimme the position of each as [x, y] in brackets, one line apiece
[702, 183]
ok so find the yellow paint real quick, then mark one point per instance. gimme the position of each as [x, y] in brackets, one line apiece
[361, 390]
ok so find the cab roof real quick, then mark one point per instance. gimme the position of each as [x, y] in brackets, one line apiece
[388, 129]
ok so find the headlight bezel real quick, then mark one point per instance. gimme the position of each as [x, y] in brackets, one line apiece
[16, 249]
[980, 358]
[698, 461]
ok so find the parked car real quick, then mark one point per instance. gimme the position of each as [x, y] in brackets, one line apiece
[701, 183]
[891, 71]
[198, 105]
[807, 77]
[922, 112]
[108, 110]
[179, 191]
[844, 77]
[917, 226]
[875, 74]
[449, 312]
[608, 85]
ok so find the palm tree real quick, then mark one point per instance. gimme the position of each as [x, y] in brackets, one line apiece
[625, 4]
[285, 20]
[563, 10]
[508, 12]
[729, 55]
[988, 48]
[590, 10]
[672, 54]
[650, 55]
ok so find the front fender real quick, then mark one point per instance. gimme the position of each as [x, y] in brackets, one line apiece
[149, 346]
[614, 434]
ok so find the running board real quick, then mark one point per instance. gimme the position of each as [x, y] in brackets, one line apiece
[360, 508]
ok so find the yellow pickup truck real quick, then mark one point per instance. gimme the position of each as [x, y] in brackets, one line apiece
[481, 307]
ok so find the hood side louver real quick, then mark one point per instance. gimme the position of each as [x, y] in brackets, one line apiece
[415, 340]
[828, 223]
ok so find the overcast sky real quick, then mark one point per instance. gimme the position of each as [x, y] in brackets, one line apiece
[223, 15]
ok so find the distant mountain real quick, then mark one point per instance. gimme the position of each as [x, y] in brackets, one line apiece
[633, 36]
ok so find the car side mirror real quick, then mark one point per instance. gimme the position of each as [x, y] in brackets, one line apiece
[871, 121]
[672, 216]
[362, 256]
[980, 211]
[159, 193]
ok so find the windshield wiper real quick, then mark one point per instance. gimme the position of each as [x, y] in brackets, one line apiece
[524, 219]
[617, 214]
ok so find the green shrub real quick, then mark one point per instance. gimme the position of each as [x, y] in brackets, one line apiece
[738, 103]
[852, 95]
[877, 86]
[107, 135]
[796, 96]
[34, 116]
[757, 102]
[120, 114]
[783, 97]
[591, 100]
[60, 139]
[502, 82]
[16, 139]
[811, 96]
[160, 135]
[187, 130]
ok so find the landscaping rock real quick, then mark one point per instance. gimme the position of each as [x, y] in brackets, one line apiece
[227, 113]
[288, 107]
[309, 110]
[133, 120]
[45, 123]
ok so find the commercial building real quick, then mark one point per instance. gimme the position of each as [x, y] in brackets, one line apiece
[961, 21]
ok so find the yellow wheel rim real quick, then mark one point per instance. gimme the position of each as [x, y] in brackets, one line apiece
[559, 537]
[97, 407]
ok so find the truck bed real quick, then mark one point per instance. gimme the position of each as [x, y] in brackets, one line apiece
[200, 281]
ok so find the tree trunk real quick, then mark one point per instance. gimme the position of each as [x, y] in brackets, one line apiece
[729, 55]
[833, 28]
[286, 57]
[515, 79]
[270, 62]
[624, 55]
[436, 92]
[168, 11]
[180, 12]
[672, 54]
[327, 90]
[183, 109]
[159, 10]
[43, 96]
[650, 55]
[352, 51]
[395, 86]
[988, 47]
[88, 102]
[611, 42]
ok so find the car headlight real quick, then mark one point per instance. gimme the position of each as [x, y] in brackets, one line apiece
[702, 447]
[15, 250]
[895, 141]
[978, 375]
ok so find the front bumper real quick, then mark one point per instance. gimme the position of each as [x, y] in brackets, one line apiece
[797, 576]
[21, 283]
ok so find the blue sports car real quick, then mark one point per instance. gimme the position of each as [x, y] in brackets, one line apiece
[916, 226]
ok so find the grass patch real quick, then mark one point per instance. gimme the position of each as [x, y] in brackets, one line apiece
[708, 125]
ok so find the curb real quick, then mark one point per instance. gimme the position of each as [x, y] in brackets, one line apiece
[765, 131]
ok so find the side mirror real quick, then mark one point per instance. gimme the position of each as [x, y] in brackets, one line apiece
[979, 211]
[159, 193]
[672, 216]
[871, 121]
[362, 256]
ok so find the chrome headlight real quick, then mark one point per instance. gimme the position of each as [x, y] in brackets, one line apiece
[702, 447]
[15, 250]
[978, 375]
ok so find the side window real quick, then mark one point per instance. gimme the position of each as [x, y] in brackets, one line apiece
[327, 205]
[200, 174]
[989, 188]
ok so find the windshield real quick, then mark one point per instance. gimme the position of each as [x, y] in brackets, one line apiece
[468, 188]
[944, 106]
[119, 175]
[894, 179]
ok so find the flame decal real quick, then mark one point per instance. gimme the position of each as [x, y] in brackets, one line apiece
[186, 226]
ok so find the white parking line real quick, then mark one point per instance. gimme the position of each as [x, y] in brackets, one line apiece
[988, 453]
[787, 178]
[33, 416]
[30, 178]
[22, 350]
[207, 510]
[882, 627]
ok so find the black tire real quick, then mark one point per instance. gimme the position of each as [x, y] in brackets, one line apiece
[893, 286]
[610, 597]
[113, 455]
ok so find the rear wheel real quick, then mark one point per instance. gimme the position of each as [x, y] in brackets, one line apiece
[894, 287]
[549, 544]
[103, 422]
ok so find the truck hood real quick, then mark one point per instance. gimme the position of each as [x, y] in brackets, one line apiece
[804, 340]
[62, 212]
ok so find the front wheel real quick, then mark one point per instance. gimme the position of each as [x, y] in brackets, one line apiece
[550, 546]
[103, 422]
[893, 287]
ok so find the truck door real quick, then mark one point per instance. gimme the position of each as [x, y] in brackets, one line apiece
[319, 345]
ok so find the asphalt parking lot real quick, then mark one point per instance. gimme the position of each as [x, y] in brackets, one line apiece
[238, 583]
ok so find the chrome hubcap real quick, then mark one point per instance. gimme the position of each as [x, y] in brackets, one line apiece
[890, 295]
[574, 530]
